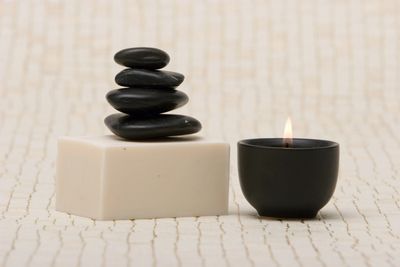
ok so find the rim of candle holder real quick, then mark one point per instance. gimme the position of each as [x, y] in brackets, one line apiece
[324, 144]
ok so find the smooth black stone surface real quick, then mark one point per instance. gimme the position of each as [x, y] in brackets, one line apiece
[148, 78]
[288, 182]
[146, 101]
[142, 58]
[132, 128]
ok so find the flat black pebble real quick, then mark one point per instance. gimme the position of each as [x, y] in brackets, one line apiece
[146, 101]
[148, 78]
[164, 125]
[142, 58]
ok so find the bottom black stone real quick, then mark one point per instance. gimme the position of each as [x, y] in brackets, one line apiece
[164, 125]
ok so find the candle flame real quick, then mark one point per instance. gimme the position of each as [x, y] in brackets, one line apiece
[288, 133]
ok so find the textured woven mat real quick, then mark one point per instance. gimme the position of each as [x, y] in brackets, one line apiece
[334, 66]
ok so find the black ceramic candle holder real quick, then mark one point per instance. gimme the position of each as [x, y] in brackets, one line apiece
[288, 182]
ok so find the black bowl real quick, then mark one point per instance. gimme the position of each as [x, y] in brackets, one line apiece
[294, 182]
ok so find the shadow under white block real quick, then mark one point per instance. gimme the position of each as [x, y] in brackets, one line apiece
[104, 177]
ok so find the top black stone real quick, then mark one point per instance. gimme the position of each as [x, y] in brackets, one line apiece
[142, 58]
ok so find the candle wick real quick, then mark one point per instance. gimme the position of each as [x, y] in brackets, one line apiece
[287, 144]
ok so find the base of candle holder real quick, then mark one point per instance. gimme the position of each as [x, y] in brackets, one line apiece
[279, 214]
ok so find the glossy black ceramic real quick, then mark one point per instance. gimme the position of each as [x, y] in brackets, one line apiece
[294, 182]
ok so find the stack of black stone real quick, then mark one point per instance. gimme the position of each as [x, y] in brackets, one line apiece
[148, 92]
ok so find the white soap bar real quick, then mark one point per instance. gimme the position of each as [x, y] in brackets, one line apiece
[107, 178]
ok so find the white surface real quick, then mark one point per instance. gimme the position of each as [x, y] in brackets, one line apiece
[104, 177]
[333, 65]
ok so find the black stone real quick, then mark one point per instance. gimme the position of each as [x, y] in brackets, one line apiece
[148, 78]
[146, 101]
[142, 58]
[133, 128]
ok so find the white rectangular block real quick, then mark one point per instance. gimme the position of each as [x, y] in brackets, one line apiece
[104, 177]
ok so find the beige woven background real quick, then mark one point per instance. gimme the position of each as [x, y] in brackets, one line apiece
[334, 66]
